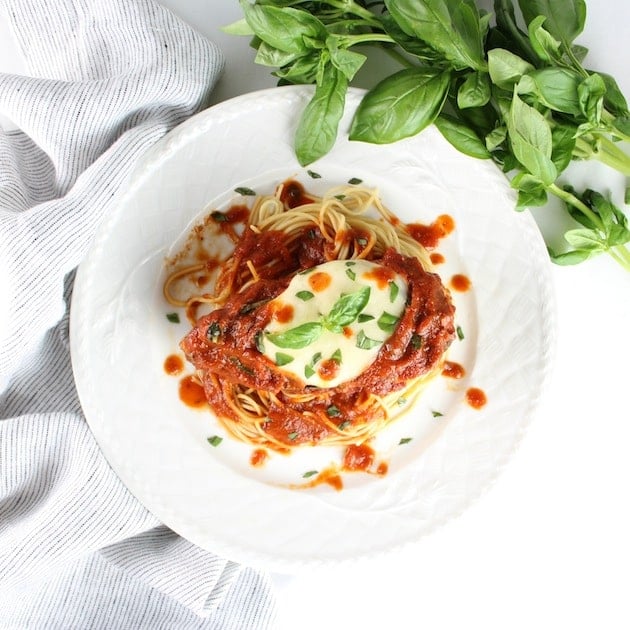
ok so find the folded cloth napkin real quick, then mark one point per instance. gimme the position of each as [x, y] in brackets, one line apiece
[108, 78]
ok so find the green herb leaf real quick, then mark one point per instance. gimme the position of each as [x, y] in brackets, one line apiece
[401, 105]
[461, 136]
[314, 175]
[218, 217]
[393, 291]
[365, 343]
[173, 318]
[283, 359]
[474, 91]
[437, 414]
[404, 440]
[336, 356]
[416, 341]
[298, 337]
[318, 125]
[332, 411]
[564, 18]
[460, 333]
[214, 332]
[243, 190]
[452, 28]
[292, 435]
[531, 140]
[354, 181]
[351, 274]
[346, 309]
[305, 295]
[215, 440]
[364, 317]
[309, 473]
[387, 322]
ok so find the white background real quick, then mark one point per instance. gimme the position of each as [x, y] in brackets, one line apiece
[548, 546]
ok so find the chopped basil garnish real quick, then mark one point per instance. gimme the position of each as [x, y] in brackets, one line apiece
[219, 217]
[308, 371]
[283, 359]
[401, 401]
[350, 263]
[362, 241]
[293, 435]
[309, 473]
[258, 339]
[344, 425]
[314, 175]
[241, 366]
[365, 343]
[336, 356]
[333, 411]
[214, 332]
[305, 295]
[364, 317]
[393, 291]
[351, 274]
[405, 440]
[460, 333]
[354, 181]
[437, 414]
[346, 309]
[215, 440]
[387, 322]
[243, 190]
[298, 337]
[173, 318]
[416, 341]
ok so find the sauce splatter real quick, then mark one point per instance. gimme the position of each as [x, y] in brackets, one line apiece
[476, 397]
[319, 281]
[460, 282]
[191, 393]
[173, 365]
[258, 457]
[430, 235]
[453, 370]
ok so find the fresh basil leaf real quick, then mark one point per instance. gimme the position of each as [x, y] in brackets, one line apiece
[409, 43]
[544, 44]
[318, 125]
[240, 27]
[591, 92]
[573, 257]
[584, 239]
[214, 440]
[496, 137]
[387, 322]
[346, 309]
[346, 61]
[531, 140]
[556, 88]
[462, 137]
[309, 473]
[474, 91]
[364, 317]
[405, 440]
[267, 55]
[564, 18]
[460, 333]
[563, 138]
[506, 68]
[298, 337]
[401, 105]
[302, 71]
[283, 28]
[452, 28]
[173, 318]
[245, 191]
[614, 100]
[365, 343]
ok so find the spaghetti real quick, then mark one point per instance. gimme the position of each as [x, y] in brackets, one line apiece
[272, 370]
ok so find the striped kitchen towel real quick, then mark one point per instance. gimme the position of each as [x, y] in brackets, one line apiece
[107, 79]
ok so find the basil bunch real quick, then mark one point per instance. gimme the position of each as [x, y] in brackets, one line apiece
[510, 87]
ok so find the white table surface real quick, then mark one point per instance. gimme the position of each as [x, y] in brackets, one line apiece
[548, 546]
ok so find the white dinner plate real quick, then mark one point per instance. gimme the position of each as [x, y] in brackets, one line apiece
[450, 452]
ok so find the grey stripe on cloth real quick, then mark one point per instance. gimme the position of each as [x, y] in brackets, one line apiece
[107, 79]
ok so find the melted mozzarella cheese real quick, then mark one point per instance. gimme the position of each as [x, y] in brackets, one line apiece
[332, 320]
